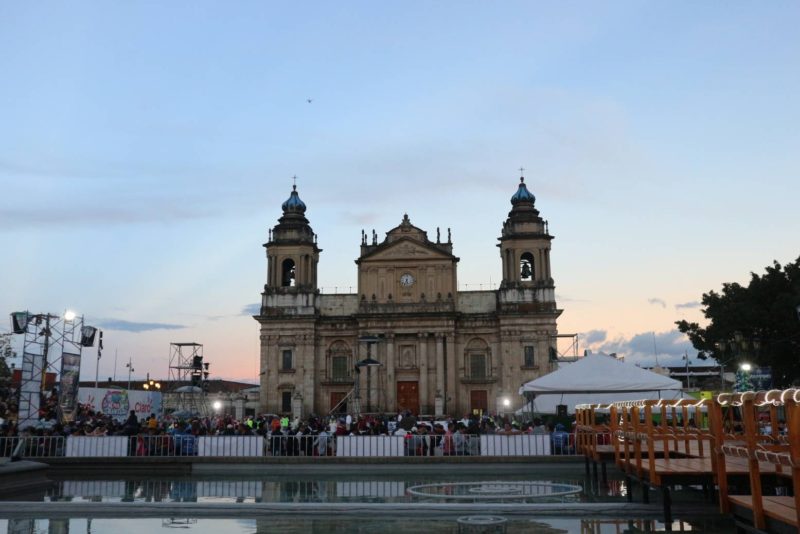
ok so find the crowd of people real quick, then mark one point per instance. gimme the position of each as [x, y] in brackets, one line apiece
[312, 436]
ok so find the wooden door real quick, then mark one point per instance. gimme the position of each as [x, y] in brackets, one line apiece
[408, 396]
[477, 401]
[336, 398]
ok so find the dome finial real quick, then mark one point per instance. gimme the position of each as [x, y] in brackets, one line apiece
[522, 196]
[293, 203]
[522, 175]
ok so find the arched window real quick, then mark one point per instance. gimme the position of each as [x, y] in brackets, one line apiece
[526, 267]
[477, 362]
[339, 362]
[287, 273]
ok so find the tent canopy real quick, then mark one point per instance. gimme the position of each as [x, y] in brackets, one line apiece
[598, 373]
[596, 379]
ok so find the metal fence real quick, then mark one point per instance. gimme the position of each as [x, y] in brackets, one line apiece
[278, 445]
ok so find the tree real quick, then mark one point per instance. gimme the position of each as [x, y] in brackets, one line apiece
[759, 323]
[6, 353]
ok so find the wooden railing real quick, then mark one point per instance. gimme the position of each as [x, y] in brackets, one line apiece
[750, 432]
[752, 439]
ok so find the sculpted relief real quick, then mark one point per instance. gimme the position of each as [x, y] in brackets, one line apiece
[408, 357]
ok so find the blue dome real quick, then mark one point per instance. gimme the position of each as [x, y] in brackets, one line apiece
[293, 203]
[522, 194]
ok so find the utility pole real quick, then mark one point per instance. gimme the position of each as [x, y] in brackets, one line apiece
[97, 365]
[688, 378]
[129, 365]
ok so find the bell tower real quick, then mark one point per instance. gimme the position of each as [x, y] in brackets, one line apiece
[525, 247]
[292, 252]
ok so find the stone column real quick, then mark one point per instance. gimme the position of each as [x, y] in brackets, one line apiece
[424, 398]
[309, 371]
[451, 398]
[270, 271]
[440, 382]
[547, 260]
[271, 394]
[496, 357]
[391, 385]
[320, 369]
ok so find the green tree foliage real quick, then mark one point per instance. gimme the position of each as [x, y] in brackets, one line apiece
[6, 353]
[762, 316]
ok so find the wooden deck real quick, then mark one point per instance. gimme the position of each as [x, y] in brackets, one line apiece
[778, 508]
[658, 444]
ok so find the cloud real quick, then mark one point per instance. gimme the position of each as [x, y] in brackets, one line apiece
[594, 336]
[251, 309]
[564, 298]
[644, 348]
[132, 326]
[688, 305]
[359, 218]
[155, 211]
[76, 196]
[657, 301]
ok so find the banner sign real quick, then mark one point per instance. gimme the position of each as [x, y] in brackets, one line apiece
[30, 388]
[70, 376]
[119, 402]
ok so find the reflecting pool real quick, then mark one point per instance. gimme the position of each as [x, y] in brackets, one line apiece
[459, 500]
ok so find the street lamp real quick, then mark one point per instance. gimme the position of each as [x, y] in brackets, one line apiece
[743, 377]
[152, 384]
[367, 362]
[129, 365]
[738, 346]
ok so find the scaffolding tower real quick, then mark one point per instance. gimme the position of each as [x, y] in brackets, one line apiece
[51, 357]
[188, 375]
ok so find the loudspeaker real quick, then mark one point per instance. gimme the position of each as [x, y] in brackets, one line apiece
[561, 410]
[19, 322]
[87, 336]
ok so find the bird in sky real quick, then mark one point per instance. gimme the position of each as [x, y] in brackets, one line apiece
[309, 100]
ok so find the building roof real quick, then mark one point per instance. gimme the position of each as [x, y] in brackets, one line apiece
[214, 386]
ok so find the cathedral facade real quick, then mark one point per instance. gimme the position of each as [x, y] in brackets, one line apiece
[408, 339]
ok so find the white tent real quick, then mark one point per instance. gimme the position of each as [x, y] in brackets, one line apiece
[595, 379]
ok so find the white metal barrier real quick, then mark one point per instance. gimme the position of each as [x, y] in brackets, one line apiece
[230, 446]
[515, 445]
[32, 446]
[370, 488]
[225, 488]
[374, 446]
[98, 446]
[491, 445]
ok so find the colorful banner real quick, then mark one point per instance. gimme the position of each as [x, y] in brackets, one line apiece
[118, 402]
[70, 376]
[30, 389]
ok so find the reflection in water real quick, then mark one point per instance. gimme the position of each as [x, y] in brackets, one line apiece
[343, 489]
[294, 490]
[470, 524]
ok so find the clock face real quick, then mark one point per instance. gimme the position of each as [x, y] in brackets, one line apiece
[407, 280]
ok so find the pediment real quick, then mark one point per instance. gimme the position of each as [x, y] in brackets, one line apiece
[405, 249]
